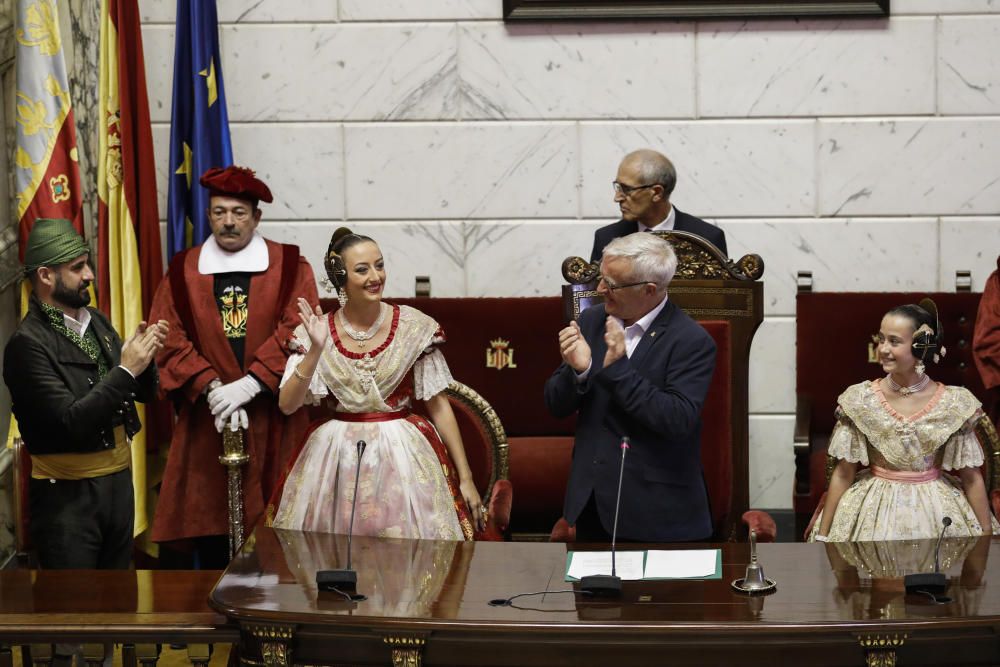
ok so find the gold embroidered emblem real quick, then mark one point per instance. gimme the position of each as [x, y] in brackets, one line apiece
[500, 355]
[60, 188]
[234, 312]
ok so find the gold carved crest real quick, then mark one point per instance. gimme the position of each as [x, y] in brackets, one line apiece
[500, 354]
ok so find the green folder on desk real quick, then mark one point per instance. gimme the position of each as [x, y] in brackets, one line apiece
[656, 564]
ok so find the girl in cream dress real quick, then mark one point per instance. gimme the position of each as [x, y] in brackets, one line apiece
[913, 435]
[371, 361]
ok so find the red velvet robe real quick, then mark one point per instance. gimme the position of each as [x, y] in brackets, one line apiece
[193, 499]
[986, 343]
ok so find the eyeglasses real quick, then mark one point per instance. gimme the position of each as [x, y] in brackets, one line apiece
[612, 287]
[627, 190]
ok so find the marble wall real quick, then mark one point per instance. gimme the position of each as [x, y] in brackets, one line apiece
[481, 154]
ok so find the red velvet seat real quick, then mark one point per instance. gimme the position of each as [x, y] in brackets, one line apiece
[539, 445]
[22, 516]
[486, 450]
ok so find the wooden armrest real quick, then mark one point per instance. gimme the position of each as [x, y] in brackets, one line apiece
[803, 422]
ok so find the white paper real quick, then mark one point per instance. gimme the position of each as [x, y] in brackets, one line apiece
[680, 564]
[628, 564]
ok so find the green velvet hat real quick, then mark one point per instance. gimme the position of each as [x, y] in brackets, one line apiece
[53, 241]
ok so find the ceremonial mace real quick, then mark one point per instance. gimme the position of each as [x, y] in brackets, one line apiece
[234, 457]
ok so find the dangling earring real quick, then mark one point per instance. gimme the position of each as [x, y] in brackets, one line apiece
[920, 367]
[342, 297]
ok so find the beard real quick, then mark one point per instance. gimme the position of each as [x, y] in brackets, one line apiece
[68, 297]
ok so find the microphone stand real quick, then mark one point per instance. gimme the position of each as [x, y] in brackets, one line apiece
[345, 581]
[930, 583]
[601, 584]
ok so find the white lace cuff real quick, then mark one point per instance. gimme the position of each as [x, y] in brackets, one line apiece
[962, 451]
[848, 443]
[430, 375]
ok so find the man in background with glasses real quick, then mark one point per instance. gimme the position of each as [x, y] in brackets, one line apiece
[636, 366]
[645, 181]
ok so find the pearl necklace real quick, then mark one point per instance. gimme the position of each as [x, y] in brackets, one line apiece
[362, 336]
[912, 389]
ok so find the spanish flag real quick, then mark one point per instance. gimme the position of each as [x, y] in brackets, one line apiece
[128, 221]
[46, 165]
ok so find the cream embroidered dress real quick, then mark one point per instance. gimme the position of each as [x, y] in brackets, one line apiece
[404, 488]
[903, 494]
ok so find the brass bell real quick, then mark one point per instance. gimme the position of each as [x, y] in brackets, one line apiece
[754, 580]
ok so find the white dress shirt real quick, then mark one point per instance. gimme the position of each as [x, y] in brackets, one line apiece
[633, 333]
[79, 327]
[665, 226]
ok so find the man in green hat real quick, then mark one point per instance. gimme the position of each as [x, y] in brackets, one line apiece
[74, 385]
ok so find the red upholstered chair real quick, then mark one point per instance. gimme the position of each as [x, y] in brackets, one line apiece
[835, 350]
[504, 347]
[486, 449]
[727, 299]
[24, 550]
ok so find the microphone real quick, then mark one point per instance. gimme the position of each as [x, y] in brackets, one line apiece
[937, 550]
[601, 584]
[931, 583]
[345, 581]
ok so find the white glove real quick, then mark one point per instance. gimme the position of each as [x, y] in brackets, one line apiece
[236, 421]
[223, 401]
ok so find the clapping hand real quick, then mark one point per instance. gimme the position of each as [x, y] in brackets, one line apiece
[139, 350]
[614, 338]
[574, 348]
[315, 323]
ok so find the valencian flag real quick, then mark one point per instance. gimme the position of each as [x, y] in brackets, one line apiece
[199, 124]
[46, 168]
[128, 220]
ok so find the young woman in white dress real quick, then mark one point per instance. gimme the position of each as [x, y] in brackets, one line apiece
[915, 435]
[369, 362]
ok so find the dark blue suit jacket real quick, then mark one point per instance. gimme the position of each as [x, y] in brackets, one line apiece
[654, 397]
[682, 223]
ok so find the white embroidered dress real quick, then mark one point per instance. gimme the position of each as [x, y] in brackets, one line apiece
[940, 436]
[403, 489]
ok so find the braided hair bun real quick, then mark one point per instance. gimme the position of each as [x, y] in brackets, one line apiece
[342, 239]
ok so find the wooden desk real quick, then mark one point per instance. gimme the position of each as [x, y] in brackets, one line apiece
[122, 606]
[428, 601]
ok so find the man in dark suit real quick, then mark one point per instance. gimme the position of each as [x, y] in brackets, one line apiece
[635, 366]
[645, 181]
[74, 385]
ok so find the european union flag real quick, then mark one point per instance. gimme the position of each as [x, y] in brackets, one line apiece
[199, 123]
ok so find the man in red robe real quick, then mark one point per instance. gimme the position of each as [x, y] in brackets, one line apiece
[231, 305]
[986, 343]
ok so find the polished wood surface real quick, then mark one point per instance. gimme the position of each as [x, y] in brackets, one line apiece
[829, 602]
[122, 605]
